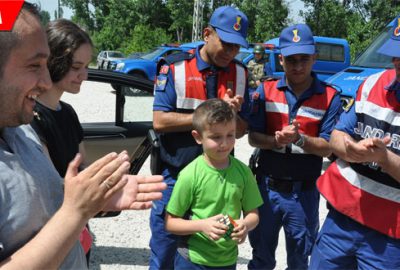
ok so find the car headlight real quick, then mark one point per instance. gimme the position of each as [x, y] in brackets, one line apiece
[120, 66]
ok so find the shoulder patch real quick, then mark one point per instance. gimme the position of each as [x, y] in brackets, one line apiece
[255, 95]
[161, 83]
[164, 69]
[348, 104]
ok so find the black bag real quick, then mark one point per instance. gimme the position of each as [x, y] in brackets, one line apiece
[254, 160]
[155, 158]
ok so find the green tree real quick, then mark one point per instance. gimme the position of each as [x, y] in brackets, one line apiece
[359, 21]
[271, 17]
[145, 37]
[44, 17]
[182, 18]
[116, 26]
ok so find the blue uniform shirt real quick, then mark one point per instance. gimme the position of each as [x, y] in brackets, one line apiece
[348, 120]
[257, 116]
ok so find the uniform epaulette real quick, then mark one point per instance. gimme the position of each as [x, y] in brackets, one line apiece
[177, 57]
[334, 86]
[173, 58]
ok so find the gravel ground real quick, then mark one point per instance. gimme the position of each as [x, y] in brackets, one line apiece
[121, 242]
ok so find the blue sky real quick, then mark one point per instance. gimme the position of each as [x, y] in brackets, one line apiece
[51, 5]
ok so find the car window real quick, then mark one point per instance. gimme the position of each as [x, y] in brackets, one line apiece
[171, 52]
[95, 102]
[150, 55]
[138, 105]
[371, 58]
[330, 52]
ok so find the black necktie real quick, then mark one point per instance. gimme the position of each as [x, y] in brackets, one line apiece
[212, 83]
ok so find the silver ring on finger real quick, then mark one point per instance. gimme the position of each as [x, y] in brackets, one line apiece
[107, 184]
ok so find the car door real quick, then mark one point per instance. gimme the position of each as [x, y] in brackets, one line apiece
[112, 118]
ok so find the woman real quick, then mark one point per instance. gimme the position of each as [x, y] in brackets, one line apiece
[55, 121]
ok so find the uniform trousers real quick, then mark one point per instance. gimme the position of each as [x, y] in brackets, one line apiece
[298, 213]
[163, 245]
[346, 244]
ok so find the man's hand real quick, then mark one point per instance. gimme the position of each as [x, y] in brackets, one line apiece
[288, 134]
[234, 102]
[366, 150]
[213, 228]
[240, 232]
[137, 194]
[87, 192]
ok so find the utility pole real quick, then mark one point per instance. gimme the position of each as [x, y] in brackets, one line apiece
[197, 20]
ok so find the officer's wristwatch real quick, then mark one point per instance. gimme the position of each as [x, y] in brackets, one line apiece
[300, 142]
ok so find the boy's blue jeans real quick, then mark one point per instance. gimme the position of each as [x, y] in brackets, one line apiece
[163, 245]
[298, 213]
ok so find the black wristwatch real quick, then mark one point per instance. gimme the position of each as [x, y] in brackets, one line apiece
[300, 142]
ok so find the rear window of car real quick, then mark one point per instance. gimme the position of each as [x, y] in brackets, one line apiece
[330, 52]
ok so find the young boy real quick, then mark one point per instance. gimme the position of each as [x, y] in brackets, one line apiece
[213, 185]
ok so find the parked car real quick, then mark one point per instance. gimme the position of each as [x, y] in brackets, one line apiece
[366, 64]
[333, 56]
[104, 58]
[120, 125]
[145, 66]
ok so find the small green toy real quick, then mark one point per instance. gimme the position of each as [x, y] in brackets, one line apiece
[228, 221]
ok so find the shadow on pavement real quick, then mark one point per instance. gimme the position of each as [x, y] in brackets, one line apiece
[102, 255]
[118, 255]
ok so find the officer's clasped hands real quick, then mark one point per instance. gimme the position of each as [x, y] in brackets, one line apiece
[234, 101]
[288, 134]
[366, 150]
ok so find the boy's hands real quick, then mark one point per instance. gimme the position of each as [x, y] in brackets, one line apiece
[213, 228]
[240, 232]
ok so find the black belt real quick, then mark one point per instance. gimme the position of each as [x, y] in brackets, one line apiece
[286, 186]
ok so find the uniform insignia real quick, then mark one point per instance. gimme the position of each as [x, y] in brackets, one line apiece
[255, 96]
[296, 37]
[229, 85]
[164, 69]
[346, 107]
[237, 26]
[161, 83]
[396, 31]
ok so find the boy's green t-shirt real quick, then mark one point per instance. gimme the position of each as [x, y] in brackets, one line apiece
[202, 192]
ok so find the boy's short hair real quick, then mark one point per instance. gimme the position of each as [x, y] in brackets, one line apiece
[210, 112]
